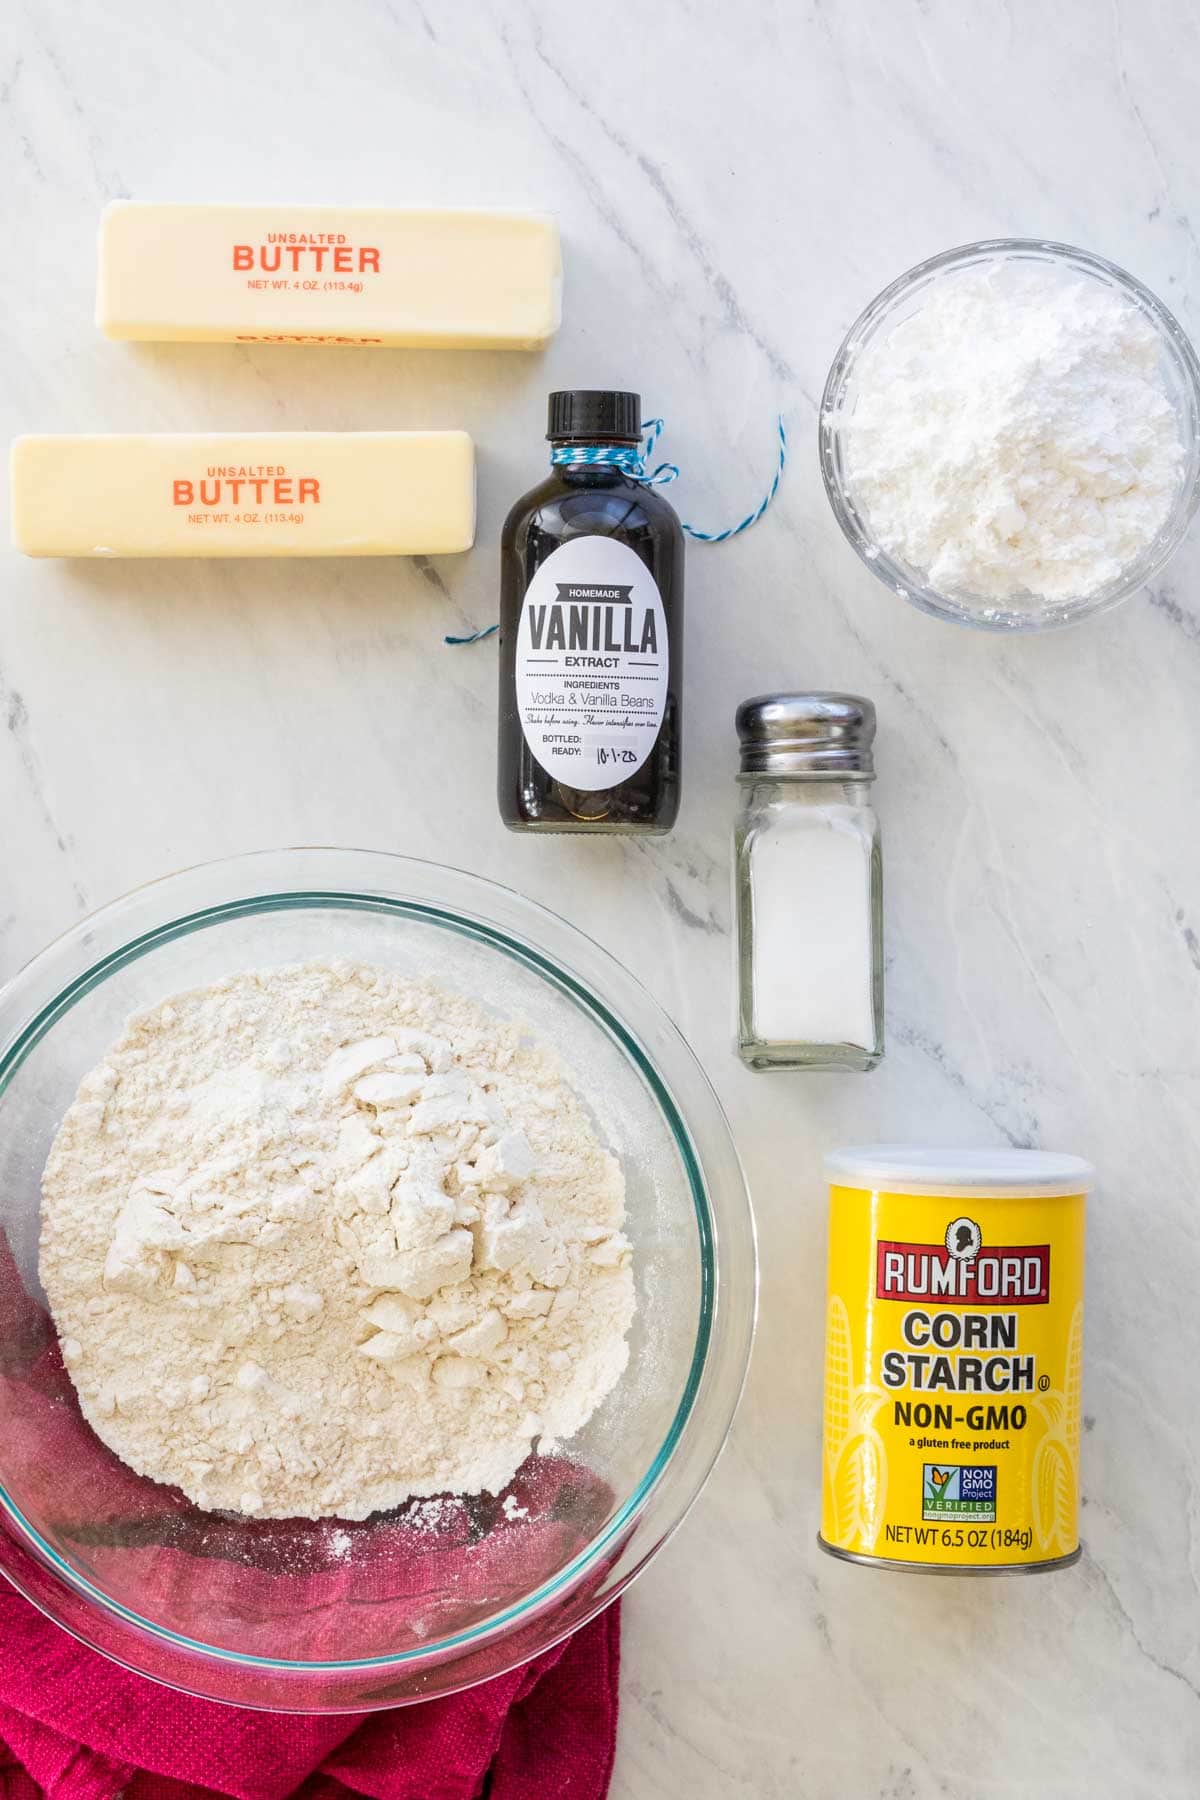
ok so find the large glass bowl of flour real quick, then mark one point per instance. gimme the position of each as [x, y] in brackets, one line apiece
[328, 1614]
[1009, 435]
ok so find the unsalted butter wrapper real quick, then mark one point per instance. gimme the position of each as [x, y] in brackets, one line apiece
[362, 276]
[302, 493]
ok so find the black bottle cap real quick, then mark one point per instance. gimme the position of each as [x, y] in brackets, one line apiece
[594, 416]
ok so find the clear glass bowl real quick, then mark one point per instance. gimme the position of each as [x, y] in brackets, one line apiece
[318, 1616]
[1181, 372]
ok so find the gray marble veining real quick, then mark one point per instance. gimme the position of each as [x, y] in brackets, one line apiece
[734, 184]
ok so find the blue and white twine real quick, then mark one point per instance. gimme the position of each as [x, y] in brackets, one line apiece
[633, 461]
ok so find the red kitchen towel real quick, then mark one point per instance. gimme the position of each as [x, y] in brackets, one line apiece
[73, 1726]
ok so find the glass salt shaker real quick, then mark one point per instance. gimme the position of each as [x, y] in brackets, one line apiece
[808, 878]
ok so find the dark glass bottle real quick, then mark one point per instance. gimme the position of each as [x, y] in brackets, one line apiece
[591, 634]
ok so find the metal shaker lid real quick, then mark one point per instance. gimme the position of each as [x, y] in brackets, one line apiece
[826, 736]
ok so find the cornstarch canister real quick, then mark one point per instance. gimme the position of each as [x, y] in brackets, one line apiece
[953, 1359]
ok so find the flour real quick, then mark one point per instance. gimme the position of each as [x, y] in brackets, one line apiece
[1014, 437]
[318, 1239]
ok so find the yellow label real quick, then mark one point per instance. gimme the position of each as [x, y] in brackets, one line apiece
[953, 1360]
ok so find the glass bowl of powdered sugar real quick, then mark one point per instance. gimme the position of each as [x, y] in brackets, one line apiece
[1010, 435]
[377, 1280]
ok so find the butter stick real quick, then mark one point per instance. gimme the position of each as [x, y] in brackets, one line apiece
[302, 493]
[353, 275]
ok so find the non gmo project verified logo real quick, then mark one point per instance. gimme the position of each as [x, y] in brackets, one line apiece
[959, 1491]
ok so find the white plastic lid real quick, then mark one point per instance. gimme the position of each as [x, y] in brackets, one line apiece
[928, 1169]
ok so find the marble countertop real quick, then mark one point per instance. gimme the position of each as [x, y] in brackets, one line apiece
[733, 184]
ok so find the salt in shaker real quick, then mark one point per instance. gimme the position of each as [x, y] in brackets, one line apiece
[808, 885]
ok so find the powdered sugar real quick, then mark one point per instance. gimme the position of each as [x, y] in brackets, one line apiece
[319, 1239]
[1014, 437]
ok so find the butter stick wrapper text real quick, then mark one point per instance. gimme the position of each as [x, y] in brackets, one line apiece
[304, 493]
[359, 277]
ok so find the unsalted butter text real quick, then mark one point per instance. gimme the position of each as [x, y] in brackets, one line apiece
[239, 486]
[310, 258]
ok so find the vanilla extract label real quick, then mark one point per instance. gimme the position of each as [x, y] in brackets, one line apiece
[591, 616]
[592, 663]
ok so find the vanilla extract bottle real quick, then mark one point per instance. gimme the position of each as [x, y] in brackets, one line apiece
[591, 633]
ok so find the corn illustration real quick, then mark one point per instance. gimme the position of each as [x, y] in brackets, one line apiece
[1056, 1459]
[1074, 1381]
[1053, 1496]
[855, 1458]
[839, 1375]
